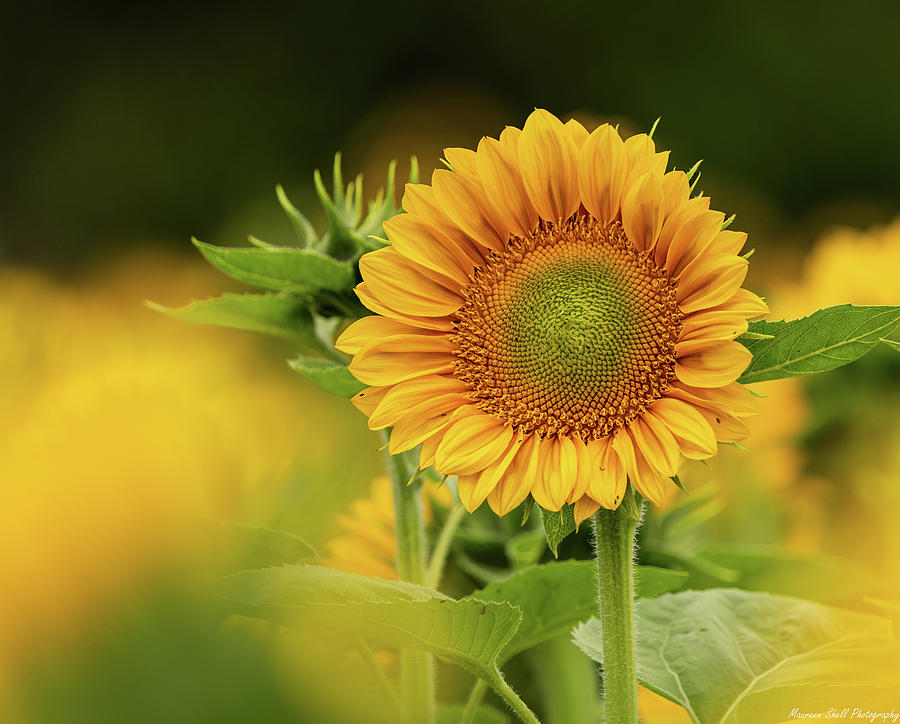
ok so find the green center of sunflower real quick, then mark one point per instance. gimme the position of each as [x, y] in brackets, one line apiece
[568, 331]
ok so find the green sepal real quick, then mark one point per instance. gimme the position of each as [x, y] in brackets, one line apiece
[304, 230]
[276, 314]
[298, 271]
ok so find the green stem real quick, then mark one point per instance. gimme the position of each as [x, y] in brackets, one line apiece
[505, 692]
[614, 540]
[567, 680]
[381, 679]
[416, 667]
[442, 547]
[478, 691]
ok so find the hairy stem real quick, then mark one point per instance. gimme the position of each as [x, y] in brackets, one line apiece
[614, 540]
[505, 692]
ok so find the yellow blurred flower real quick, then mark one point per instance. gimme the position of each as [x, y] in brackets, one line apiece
[655, 709]
[367, 544]
[847, 265]
[119, 426]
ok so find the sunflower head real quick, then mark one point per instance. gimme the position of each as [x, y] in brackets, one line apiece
[555, 316]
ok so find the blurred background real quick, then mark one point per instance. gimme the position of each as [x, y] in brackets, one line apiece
[128, 128]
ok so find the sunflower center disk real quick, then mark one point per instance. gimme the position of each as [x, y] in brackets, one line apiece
[568, 331]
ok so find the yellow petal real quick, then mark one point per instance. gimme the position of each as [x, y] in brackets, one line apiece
[674, 221]
[577, 132]
[421, 243]
[471, 444]
[642, 158]
[608, 479]
[694, 435]
[729, 242]
[498, 169]
[676, 191]
[376, 305]
[558, 471]
[745, 303]
[367, 400]
[486, 481]
[386, 368]
[648, 481]
[585, 458]
[414, 428]
[656, 443]
[405, 395]
[548, 162]
[584, 508]
[602, 166]
[390, 276]
[514, 487]
[691, 240]
[698, 338]
[420, 200]
[462, 161]
[710, 280]
[715, 366]
[370, 329]
[642, 211]
[463, 204]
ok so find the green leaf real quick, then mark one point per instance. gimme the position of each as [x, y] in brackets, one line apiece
[824, 340]
[276, 314]
[390, 614]
[299, 271]
[893, 344]
[732, 657]
[332, 377]
[240, 546]
[554, 597]
[558, 524]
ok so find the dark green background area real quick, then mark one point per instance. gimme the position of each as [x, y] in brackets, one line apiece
[128, 124]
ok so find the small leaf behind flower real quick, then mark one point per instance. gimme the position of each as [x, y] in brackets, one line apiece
[558, 525]
[332, 377]
[826, 339]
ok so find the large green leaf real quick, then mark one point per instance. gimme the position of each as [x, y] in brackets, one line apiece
[826, 339]
[384, 613]
[332, 377]
[277, 314]
[239, 546]
[280, 269]
[554, 597]
[731, 657]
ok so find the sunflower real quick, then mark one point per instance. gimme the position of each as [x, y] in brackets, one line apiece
[554, 316]
[367, 543]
